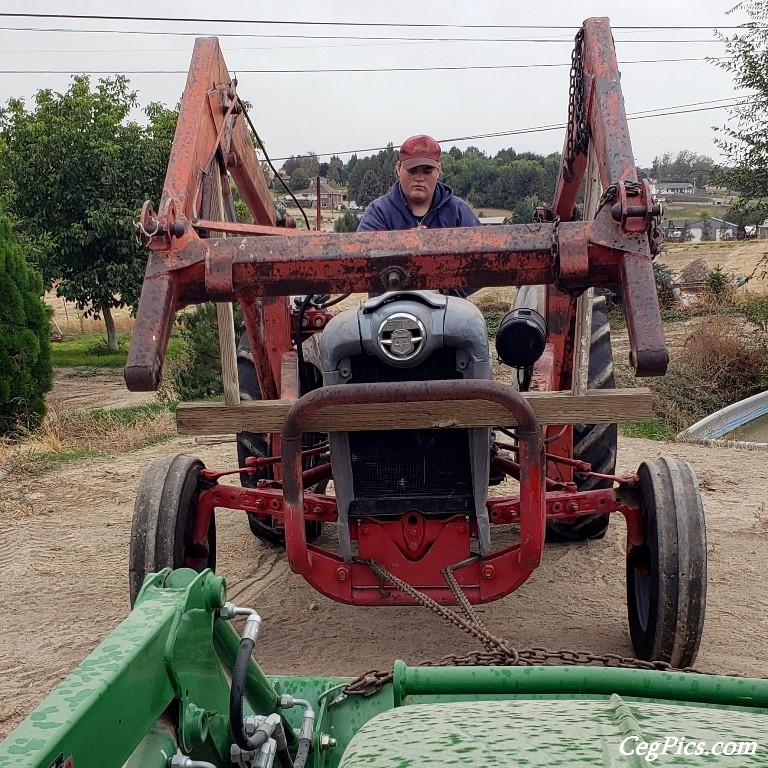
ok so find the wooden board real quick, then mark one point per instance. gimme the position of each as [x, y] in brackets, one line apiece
[596, 407]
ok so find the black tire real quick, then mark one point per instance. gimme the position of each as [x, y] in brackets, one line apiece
[593, 443]
[163, 519]
[667, 574]
[255, 444]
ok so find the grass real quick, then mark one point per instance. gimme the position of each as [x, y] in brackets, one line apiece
[83, 434]
[654, 429]
[694, 211]
[90, 350]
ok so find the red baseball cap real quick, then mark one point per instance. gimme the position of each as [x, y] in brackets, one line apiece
[420, 150]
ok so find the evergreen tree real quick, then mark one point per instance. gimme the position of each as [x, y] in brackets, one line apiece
[26, 373]
[347, 222]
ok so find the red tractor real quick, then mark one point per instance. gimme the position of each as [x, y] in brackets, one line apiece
[394, 400]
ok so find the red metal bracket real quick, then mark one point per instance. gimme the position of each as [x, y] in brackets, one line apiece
[321, 568]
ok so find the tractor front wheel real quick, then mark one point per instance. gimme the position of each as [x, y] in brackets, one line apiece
[667, 573]
[163, 521]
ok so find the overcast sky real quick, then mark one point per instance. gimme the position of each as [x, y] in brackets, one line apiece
[339, 112]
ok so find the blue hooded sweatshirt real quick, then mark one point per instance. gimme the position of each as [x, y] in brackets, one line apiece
[391, 212]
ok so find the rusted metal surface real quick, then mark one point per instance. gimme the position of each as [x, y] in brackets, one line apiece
[253, 317]
[237, 228]
[240, 269]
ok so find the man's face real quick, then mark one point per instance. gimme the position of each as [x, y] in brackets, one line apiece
[418, 184]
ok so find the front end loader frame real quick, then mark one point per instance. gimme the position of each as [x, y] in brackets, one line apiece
[199, 253]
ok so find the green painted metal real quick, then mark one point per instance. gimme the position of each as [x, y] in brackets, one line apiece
[155, 748]
[578, 680]
[163, 651]
[548, 733]
[173, 648]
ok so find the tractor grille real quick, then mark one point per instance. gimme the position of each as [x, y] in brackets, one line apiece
[397, 470]
[369, 369]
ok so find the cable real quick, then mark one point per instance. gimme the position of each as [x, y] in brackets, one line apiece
[269, 161]
[379, 38]
[339, 71]
[420, 25]
[543, 128]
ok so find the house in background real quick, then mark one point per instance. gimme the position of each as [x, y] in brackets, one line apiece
[675, 231]
[330, 197]
[675, 187]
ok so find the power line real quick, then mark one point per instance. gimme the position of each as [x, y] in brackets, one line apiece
[567, 40]
[284, 22]
[185, 50]
[640, 115]
[328, 71]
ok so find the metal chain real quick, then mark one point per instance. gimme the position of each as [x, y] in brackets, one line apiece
[498, 652]
[556, 246]
[461, 598]
[577, 136]
[469, 626]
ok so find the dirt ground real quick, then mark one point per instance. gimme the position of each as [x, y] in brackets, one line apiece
[63, 576]
[64, 564]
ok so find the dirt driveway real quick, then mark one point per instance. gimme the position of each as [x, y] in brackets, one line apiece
[63, 580]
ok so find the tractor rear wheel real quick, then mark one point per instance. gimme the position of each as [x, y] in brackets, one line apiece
[593, 443]
[250, 444]
[667, 573]
[163, 521]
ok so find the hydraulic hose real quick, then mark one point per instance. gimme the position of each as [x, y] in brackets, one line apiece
[239, 674]
[236, 695]
[307, 729]
[284, 756]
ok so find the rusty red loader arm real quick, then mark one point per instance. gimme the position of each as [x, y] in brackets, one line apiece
[260, 262]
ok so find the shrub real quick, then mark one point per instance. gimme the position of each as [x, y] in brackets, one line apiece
[718, 286]
[347, 222]
[664, 279]
[26, 373]
[756, 311]
[196, 373]
[720, 364]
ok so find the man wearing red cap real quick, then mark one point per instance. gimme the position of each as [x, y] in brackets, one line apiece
[417, 198]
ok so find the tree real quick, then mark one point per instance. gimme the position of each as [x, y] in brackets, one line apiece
[26, 373]
[707, 233]
[372, 176]
[291, 164]
[347, 222]
[369, 188]
[335, 169]
[299, 180]
[78, 172]
[310, 164]
[684, 166]
[744, 140]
